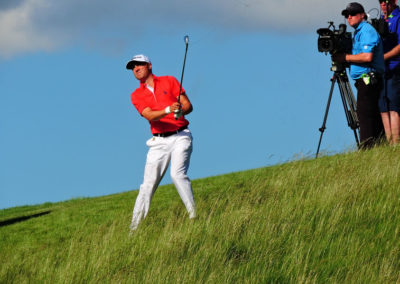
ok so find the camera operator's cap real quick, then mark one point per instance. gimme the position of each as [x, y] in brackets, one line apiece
[353, 8]
[137, 58]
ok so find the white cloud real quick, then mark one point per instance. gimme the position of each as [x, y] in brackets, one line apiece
[32, 25]
[282, 15]
[18, 32]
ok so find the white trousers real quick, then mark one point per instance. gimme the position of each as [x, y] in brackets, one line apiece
[176, 149]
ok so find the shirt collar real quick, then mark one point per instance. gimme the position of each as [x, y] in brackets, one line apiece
[143, 85]
[396, 11]
[360, 25]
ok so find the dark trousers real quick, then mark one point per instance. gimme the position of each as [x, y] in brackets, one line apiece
[371, 126]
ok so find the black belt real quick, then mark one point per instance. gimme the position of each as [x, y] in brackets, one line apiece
[166, 134]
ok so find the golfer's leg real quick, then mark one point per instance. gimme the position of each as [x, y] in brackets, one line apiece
[180, 160]
[156, 165]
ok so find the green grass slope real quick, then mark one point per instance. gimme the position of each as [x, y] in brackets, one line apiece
[331, 220]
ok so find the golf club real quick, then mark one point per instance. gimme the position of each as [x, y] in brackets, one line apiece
[186, 38]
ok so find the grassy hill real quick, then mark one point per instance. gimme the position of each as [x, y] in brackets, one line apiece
[334, 219]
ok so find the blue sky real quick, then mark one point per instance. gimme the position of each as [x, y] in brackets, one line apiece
[253, 73]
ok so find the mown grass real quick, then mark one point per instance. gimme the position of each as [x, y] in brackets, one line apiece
[331, 220]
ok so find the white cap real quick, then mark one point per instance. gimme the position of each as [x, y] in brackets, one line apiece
[137, 58]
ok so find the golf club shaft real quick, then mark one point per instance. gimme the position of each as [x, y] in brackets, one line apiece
[183, 70]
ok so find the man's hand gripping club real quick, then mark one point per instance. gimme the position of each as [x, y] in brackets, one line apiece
[176, 108]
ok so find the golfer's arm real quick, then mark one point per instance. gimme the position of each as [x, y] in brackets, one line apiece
[186, 104]
[153, 115]
[364, 57]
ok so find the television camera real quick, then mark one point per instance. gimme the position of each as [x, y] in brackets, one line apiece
[334, 40]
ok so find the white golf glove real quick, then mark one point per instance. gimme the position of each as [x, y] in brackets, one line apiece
[178, 113]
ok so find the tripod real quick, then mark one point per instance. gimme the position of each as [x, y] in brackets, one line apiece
[349, 102]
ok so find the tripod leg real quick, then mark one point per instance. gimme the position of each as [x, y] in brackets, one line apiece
[356, 137]
[322, 129]
[349, 104]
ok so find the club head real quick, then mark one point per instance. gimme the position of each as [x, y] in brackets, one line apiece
[186, 38]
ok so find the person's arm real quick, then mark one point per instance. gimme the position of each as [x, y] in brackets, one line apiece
[154, 115]
[395, 51]
[364, 57]
[186, 104]
[392, 53]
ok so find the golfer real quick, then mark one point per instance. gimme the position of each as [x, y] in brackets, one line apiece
[156, 100]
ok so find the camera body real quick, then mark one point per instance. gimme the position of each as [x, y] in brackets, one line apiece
[334, 40]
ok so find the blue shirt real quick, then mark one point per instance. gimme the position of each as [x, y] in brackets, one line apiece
[393, 39]
[367, 40]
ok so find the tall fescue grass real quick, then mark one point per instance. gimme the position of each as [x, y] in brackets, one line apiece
[331, 220]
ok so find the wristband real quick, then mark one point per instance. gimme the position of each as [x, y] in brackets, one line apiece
[167, 110]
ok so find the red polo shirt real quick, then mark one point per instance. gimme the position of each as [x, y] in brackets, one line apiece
[166, 91]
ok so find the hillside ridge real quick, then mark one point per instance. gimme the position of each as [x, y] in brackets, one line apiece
[331, 219]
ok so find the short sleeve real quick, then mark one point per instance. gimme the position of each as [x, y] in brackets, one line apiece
[139, 104]
[369, 40]
[398, 30]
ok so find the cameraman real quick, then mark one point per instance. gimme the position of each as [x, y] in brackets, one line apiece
[389, 101]
[366, 68]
